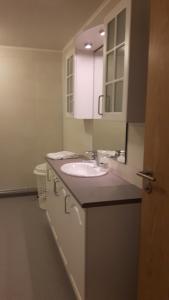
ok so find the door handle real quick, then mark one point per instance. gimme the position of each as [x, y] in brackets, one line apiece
[99, 104]
[148, 179]
[146, 175]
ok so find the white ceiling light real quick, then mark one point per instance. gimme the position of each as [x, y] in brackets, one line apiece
[88, 45]
[102, 32]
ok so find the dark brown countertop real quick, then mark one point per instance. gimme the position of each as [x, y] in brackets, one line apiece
[108, 189]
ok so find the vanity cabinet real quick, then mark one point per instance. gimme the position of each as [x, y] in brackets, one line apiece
[67, 221]
[98, 245]
[125, 61]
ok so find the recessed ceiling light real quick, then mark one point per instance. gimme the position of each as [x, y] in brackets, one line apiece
[88, 45]
[102, 32]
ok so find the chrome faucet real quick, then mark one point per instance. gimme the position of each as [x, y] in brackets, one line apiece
[92, 155]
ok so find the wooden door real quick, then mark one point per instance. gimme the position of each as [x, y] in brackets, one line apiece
[154, 247]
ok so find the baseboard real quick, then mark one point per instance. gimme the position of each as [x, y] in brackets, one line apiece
[18, 192]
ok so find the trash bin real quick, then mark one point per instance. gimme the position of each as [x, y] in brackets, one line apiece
[41, 172]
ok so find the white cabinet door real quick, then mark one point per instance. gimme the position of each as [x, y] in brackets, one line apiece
[116, 62]
[125, 61]
[76, 240]
[98, 84]
[50, 194]
[72, 241]
[56, 210]
[67, 221]
[79, 85]
[69, 84]
[83, 85]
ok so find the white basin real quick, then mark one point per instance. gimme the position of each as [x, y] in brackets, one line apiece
[83, 169]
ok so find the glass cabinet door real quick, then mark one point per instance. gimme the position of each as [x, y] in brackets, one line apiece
[69, 84]
[114, 63]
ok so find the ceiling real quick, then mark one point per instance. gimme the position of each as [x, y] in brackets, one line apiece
[43, 24]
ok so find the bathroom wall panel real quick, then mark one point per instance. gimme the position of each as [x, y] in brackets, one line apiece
[30, 113]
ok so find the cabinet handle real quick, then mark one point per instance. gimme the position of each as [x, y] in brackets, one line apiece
[55, 187]
[99, 105]
[66, 210]
[78, 214]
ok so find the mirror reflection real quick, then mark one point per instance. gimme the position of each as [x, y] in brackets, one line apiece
[108, 135]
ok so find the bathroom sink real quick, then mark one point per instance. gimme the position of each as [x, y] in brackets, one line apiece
[83, 169]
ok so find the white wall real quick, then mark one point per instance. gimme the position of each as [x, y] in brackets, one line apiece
[30, 113]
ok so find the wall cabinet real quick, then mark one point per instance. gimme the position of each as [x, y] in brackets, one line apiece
[125, 61]
[115, 76]
[98, 245]
[87, 69]
[119, 93]
[79, 86]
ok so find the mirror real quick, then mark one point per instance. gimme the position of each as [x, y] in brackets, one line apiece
[110, 136]
[107, 134]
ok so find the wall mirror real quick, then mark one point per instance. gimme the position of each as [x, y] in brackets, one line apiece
[111, 136]
[108, 134]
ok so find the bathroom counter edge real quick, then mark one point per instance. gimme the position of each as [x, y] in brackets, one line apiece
[105, 190]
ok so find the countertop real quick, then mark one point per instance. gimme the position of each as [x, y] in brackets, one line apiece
[108, 189]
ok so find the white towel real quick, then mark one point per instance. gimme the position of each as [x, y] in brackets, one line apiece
[62, 155]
